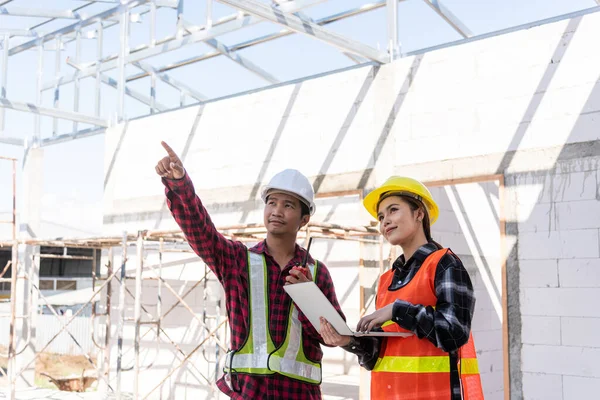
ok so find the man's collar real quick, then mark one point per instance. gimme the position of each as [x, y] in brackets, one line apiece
[299, 252]
[260, 247]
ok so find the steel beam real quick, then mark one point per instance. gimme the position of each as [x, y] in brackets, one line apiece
[450, 18]
[159, 3]
[209, 14]
[76, 86]
[67, 137]
[295, 5]
[308, 28]
[180, 28]
[147, 51]
[99, 49]
[356, 59]
[81, 24]
[11, 140]
[234, 56]
[38, 91]
[53, 19]
[171, 81]
[241, 60]
[57, 63]
[529, 25]
[18, 32]
[107, 80]
[4, 78]
[167, 3]
[224, 25]
[392, 29]
[263, 39]
[147, 100]
[53, 14]
[121, 63]
[41, 13]
[52, 112]
[69, 37]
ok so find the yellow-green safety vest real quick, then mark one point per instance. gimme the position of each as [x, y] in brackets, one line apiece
[258, 355]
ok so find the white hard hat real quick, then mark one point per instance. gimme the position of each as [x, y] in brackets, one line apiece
[292, 182]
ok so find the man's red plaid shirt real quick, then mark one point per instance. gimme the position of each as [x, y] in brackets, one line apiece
[229, 261]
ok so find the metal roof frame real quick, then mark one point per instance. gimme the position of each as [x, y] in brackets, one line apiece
[121, 13]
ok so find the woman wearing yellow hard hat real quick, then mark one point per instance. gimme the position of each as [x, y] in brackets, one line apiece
[428, 295]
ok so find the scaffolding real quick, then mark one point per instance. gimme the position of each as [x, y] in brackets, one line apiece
[214, 325]
[13, 278]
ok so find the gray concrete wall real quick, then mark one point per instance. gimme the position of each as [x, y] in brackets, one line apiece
[469, 224]
[558, 220]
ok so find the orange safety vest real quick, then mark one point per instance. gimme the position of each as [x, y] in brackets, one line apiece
[411, 368]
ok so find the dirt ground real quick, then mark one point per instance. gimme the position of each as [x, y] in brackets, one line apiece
[55, 365]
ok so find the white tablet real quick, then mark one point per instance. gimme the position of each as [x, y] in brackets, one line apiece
[313, 303]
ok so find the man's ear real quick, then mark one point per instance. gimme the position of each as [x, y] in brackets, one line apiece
[304, 220]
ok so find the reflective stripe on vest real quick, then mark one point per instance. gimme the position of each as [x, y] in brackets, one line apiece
[259, 355]
[290, 359]
[253, 356]
[468, 366]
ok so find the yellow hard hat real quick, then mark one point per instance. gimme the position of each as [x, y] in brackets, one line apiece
[400, 185]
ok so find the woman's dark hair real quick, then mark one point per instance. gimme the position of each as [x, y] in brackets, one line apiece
[414, 205]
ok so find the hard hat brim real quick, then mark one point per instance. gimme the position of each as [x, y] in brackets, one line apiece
[267, 190]
[371, 202]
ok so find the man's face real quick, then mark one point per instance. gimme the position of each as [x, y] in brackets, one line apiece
[283, 214]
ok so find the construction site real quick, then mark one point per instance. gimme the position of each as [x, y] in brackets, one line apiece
[101, 297]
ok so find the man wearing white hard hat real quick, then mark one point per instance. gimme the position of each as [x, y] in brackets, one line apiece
[275, 351]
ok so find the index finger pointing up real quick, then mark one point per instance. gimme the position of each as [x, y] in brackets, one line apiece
[169, 150]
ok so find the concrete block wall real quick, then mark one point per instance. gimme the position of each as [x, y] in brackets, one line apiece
[469, 224]
[559, 267]
[484, 98]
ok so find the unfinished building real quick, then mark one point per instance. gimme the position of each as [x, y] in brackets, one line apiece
[503, 127]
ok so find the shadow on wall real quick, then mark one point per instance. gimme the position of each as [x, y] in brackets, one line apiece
[546, 217]
[469, 225]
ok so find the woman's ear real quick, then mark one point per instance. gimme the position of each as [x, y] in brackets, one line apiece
[420, 214]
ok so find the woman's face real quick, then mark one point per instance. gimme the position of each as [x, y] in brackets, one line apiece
[398, 223]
